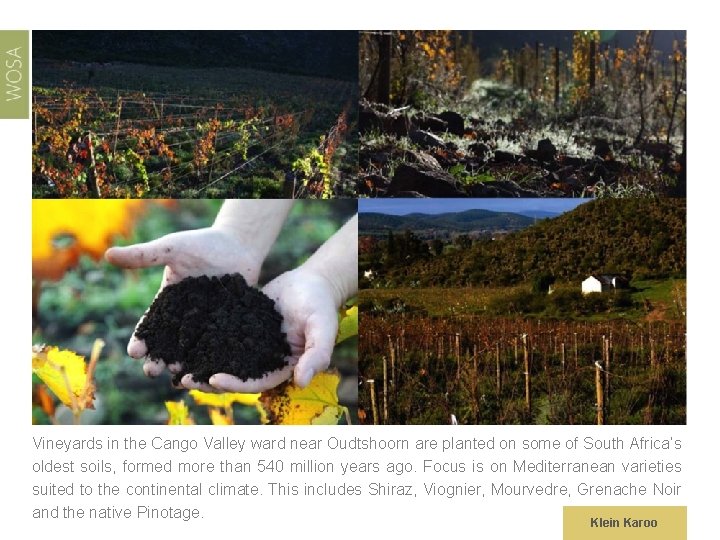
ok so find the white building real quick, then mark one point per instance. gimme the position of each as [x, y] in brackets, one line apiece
[603, 283]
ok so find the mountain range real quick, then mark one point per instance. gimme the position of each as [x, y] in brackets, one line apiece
[468, 221]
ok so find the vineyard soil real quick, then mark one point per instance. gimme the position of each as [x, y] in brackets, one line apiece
[215, 325]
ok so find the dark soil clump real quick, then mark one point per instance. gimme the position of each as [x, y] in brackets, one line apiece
[215, 325]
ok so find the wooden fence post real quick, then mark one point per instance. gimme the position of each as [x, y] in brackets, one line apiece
[474, 383]
[392, 368]
[591, 81]
[600, 395]
[606, 369]
[557, 77]
[91, 177]
[117, 124]
[498, 371]
[576, 349]
[373, 400]
[653, 359]
[526, 364]
[642, 346]
[537, 67]
[457, 355]
[385, 390]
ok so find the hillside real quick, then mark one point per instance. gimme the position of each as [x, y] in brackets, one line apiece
[641, 238]
[477, 220]
[539, 214]
[318, 53]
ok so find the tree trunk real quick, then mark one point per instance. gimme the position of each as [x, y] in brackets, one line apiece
[384, 59]
[557, 77]
[591, 80]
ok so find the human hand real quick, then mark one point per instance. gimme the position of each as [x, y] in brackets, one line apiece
[308, 298]
[307, 302]
[210, 251]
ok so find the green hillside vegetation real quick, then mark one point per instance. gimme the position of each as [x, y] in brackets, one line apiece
[663, 299]
[641, 239]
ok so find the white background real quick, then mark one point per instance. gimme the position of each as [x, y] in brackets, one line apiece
[364, 517]
[358, 517]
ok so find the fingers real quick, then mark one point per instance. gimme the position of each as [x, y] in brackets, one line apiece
[224, 382]
[154, 253]
[136, 348]
[191, 384]
[320, 333]
[221, 382]
[153, 367]
[311, 362]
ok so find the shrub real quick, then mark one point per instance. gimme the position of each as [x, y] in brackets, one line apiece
[541, 282]
[518, 302]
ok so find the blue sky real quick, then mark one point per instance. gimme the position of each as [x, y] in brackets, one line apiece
[439, 206]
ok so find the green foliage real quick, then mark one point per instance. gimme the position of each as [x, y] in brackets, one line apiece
[137, 165]
[437, 247]
[566, 301]
[468, 178]
[310, 164]
[541, 282]
[644, 238]
[516, 303]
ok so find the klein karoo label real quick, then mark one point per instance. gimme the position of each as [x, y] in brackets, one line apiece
[625, 523]
[15, 80]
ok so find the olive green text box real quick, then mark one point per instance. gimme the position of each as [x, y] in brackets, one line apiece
[14, 74]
